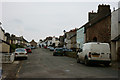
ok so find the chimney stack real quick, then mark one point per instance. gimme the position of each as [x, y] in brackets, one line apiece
[104, 9]
[91, 15]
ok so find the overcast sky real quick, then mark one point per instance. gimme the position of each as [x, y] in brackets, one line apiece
[37, 20]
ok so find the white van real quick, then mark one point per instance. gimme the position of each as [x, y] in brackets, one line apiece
[95, 52]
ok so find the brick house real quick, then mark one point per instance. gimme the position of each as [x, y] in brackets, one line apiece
[98, 29]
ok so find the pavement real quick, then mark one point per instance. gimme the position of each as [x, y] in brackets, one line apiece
[9, 71]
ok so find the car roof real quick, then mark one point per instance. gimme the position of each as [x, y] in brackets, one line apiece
[58, 48]
[20, 48]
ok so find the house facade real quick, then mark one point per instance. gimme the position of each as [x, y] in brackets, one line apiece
[55, 41]
[68, 37]
[18, 40]
[4, 46]
[115, 35]
[80, 38]
[73, 42]
[61, 38]
[33, 43]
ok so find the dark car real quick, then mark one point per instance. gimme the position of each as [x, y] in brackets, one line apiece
[58, 52]
[67, 50]
[28, 50]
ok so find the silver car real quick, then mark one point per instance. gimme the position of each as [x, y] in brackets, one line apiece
[21, 52]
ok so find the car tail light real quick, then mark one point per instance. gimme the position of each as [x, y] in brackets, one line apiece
[89, 54]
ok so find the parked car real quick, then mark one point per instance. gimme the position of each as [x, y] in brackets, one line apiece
[21, 52]
[32, 47]
[58, 51]
[48, 47]
[95, 52]
[28, 50]
[70, 50]
[67, 50]
[45, 47]
[51, 48]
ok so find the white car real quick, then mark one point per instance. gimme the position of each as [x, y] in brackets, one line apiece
[21, 52]
[95, 52]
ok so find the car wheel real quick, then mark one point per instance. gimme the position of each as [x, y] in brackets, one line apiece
[53, 54]
[26, 58]
[78, 60]
[61, 54]
[87, 63]
[107, 64]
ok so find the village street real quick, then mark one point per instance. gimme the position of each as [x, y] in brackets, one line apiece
[42, 64]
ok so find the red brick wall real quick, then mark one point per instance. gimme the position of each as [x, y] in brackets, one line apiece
[101, 30]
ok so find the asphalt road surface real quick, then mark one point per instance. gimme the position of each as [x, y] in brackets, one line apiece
[42, 64]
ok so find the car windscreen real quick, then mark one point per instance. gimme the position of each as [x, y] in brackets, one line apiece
[20, 50]
[59, 50]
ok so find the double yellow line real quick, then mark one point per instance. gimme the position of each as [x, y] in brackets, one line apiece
[19, 69]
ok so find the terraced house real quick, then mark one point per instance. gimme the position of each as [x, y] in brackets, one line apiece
[4, 46]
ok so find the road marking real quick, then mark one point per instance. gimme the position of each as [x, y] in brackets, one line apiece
[71, 64]
[19, 70]
[67, 70]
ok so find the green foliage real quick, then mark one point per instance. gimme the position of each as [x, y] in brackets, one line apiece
[14, 46]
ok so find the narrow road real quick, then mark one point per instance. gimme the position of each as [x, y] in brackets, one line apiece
[42, 64]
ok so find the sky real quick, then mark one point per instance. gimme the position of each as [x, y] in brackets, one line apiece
[38, 20]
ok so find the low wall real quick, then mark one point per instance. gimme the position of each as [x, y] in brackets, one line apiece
[7, 58]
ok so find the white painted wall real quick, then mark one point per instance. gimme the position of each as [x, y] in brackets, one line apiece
[115, 31]
[115, 27]
[1, 34]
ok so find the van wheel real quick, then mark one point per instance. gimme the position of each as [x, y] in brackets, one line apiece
[26, 58]
[78, 60]
[107, 64]
[87, 62]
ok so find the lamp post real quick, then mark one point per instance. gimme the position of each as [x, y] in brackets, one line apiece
[64, 38]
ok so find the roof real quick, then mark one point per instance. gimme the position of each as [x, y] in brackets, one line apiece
[96, 20]
[18, 38]
[73, 36]
[101, 14]
[2, 29]
[116, 38]
[4, 41]
[33, 42]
